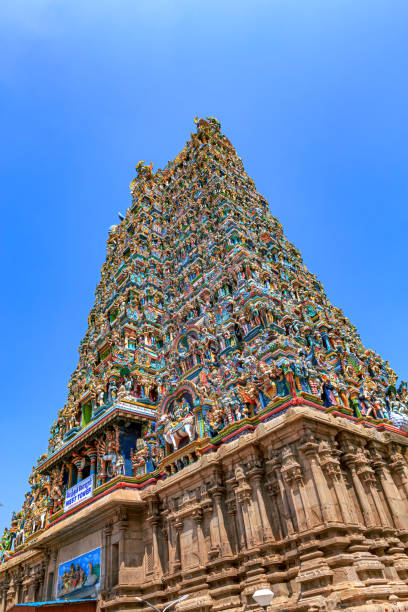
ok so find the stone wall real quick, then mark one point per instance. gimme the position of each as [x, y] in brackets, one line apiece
[309, 505]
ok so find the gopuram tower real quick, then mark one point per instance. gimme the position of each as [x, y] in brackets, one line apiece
[225, 429]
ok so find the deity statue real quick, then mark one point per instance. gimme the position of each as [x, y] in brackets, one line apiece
[108, 450]
[177, 425]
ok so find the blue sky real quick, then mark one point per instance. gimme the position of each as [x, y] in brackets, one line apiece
[314, 96]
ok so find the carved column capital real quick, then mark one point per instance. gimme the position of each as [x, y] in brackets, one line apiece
[107, 530]
[198, 515]
[255, 465]
[363, 467]
[154, 520]
[291, 469]
[244, 493]
[397, 460]
[352, 451]
[273, 486]
[232, 506]
[121, 515]
[243, 490]
[309, 448]
[329, 460]
[377, 458]
[274, 462]
[206, 502]
[309, 445]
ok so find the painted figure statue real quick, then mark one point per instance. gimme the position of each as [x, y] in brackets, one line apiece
[179, 425]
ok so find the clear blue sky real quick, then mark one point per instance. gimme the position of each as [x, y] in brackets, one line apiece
[314, 96]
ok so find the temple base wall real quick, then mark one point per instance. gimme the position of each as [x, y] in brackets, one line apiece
[312, 506]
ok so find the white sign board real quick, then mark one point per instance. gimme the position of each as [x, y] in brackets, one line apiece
[78, 493]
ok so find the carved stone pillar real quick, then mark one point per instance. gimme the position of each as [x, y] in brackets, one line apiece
[178, 526]
[310, 449]
[158, 570]
[4, 589]
[293, 479]
[40, 588]
[202, 551]
[367, 475]
[17, 585]
[274, 464]
[278, 518]
[122, 526]
[37, 584]
[107, 558]
[350, 456]
[207, 507]
[388, 485]
[220, 531]
[53, 575]
[154, 520]
[398, 464]
[255, 476]
[239, 536]
[171, 544]
[240, 524]
[28, 581]
[170, 533]
[243, 494]
[330, 464]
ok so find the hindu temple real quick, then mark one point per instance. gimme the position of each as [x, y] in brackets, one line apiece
[225, 429]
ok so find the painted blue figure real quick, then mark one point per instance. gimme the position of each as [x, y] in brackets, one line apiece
[312, 357]
[326, 342]
[328, 395]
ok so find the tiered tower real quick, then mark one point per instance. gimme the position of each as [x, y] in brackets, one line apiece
[225, 428]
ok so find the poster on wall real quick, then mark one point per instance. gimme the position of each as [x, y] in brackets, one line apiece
[79, 578]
